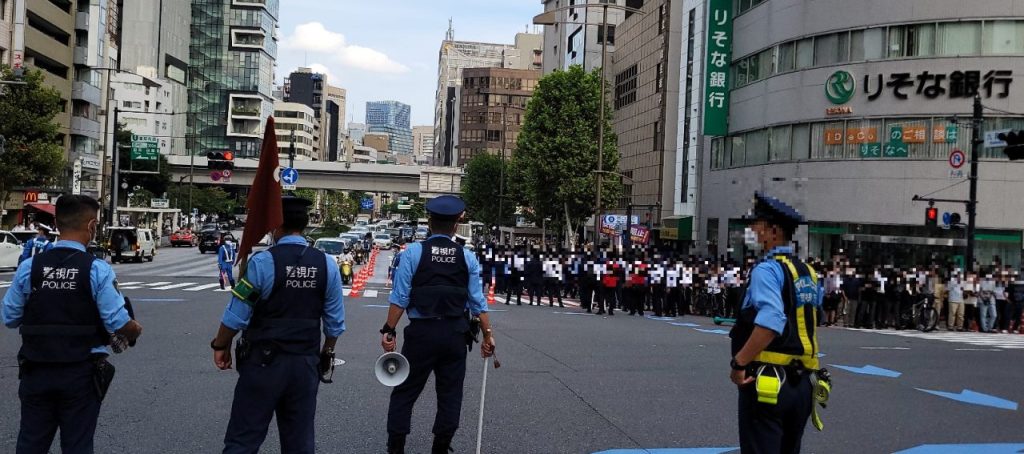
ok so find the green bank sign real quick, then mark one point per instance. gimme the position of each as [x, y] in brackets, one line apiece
[840, 87]
[719, 55]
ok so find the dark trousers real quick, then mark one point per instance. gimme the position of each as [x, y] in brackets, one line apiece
[606, 296]
[536, 290]
[437, 346]
[586, 295]
[58, 396]
[287, 388]
[514, 286]
[1013, 314]
[778, 428]
[553, 289]
[636, 299]
[226, 274]
[658, 300]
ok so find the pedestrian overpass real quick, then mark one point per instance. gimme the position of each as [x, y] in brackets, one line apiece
[427, 181]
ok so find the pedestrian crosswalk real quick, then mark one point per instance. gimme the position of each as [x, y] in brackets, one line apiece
[985, 340]
[500, 299]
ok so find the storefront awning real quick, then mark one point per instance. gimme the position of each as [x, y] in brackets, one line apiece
[44, 207]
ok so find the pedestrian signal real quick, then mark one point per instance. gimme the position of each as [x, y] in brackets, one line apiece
[1014, 144]
[931, 217]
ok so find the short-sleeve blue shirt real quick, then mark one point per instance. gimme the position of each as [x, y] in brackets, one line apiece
[402, 280]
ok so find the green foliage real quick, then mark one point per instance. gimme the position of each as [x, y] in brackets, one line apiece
[33, 155]
[156, 184]
[140, 198]
[481, 190]
[556, 155]
[207, 199]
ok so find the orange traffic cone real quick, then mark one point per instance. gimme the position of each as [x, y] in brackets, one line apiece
[490, 293]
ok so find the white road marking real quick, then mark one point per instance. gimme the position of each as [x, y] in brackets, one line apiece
[370, 294]
[989, 340]
[130, 288]
[202, 287]
[885, 348]
[155, 284]
[174, 286]
[123, 284]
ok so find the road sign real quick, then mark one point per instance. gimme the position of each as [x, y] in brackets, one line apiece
[145, 148]
[76, 178]
[947, 218]
[957, 174]
[992, 138]
[289, 176]
[366, 204]
[957, 158]
[404, 206]
[226, 173]
[159, 203]
[216, 175]
[288, 187]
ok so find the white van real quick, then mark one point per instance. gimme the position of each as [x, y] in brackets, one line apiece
[130, 244]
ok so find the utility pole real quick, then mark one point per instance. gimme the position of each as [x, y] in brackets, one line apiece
[501, 178]
[972, 202]
[291, 151]
[600, 124]
[115, 174]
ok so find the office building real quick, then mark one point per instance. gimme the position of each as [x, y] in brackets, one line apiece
[334, 123]
[7, 31]
[379, 141]
[644, 86]
[144, 106]
[392, 118]
[328, 102]
[572, 41]
[843, 111]
[356, 131]
[297, 127]
[232, 55]
[155, 45]
[453, 57]
[493, 110]
[422, 143]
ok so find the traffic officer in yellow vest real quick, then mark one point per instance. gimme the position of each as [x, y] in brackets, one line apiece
[774, 346]
[438, 284]
[289, 295]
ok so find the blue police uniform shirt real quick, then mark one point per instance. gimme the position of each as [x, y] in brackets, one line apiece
[35, 246]
[765, 292]
[402, 280]
[226, 255]
[260, 273]
[101, 277]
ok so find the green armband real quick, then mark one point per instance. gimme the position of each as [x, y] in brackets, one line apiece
[245, 292]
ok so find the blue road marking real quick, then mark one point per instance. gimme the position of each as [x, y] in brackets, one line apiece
[712, 331]
[987, 448]
[375, 305]
[571, 313]
[688, 325]
[821, 355]
[972, 397]
[869, 370]
[660, 319]
[670, 451]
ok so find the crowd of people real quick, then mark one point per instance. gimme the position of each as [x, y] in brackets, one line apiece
[666, 283]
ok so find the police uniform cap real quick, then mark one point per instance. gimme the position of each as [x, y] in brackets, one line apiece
[446, 207]
[292, 206]
[773, 210]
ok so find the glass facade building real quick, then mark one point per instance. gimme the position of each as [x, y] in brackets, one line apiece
[231, 74]
[391, 117]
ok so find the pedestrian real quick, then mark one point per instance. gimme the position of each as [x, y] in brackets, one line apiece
[289, 294]
[66, 304]
[955, 294]
[1002, 301]
[41, 243]
[552, 271]
[534, 275]
[987, 305]
[226, 260]
[514, 284]
[608, 277]
[587, 282]
[658, 289]
[971, 293]
[774, 345]
[438, 285]
[1015, 306]
[852, 285]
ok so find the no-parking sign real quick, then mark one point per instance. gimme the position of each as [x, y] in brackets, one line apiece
[957, 158]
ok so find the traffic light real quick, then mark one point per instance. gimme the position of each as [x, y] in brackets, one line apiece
[1014, 144]
[220, 160]
[954, 219]
[931, 217]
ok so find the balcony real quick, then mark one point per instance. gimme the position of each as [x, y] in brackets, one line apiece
[81, 55]
[86, 92]
[81, 126]
[82, 21]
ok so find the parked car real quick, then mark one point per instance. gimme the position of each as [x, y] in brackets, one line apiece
[382, 240]
[421, 233]
[184, 237]
[10, 250]
[130, 243]
[333, 247]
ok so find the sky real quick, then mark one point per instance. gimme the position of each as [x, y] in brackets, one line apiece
[388, 49]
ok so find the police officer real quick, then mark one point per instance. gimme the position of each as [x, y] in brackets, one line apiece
[774, 346]
[41, 243]
[438, 284]
[226, 260]
[67, 305]
[279, 304]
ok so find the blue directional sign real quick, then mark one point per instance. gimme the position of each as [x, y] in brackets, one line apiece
[712, 331]
[366, 204]
[685, 324]
[947, 217]
[975, 398]
[869, 370]
[289, 176]
[983, 448]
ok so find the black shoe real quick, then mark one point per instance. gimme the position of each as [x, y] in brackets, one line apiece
[551, 304]
[560, 305]
[442, 444]
[519, 303]
[611, 312]
[506, 303]
[396, 444]
[600, 312]
[589, 311]
[641, 313]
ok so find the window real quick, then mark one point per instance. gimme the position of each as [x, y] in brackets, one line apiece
[779, 144]
[742, 6]
[766, 63]
[787, 57]
[756, 147]
[493, 135]
[805, 53]
[825, 52]
[1004, 37]
[911, 40]
[662, 17]
[736, 151]
[625, 87]
[659, 78]
[959, 38]
[611, 35]
[657, 136]
[716, 153]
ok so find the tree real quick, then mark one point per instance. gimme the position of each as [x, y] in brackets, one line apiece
[32, 154]
[154, 183]
[552, 171]
[481, 190]
[208, 199]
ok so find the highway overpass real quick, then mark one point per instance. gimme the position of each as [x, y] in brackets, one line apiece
[424, 180]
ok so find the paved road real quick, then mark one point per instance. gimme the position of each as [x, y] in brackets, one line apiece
[569, 382]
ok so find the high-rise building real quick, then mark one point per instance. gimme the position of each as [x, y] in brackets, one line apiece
[644, 83]
[333, 124]
[312, 89]
[393, 118]
[577, 38]
[422, 143]
[492, 111]
[144, 106]
[6, 31]
[232, 52]
[155, 45]
[296, 125]
[453, 57]
[356, 131]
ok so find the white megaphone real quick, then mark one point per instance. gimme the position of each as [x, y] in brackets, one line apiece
[391, 369]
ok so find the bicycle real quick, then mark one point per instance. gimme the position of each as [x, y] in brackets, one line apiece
[921, 316]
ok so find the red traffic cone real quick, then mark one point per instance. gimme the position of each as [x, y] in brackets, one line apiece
[490, 293]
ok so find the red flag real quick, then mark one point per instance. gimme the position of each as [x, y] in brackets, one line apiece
[264, 204]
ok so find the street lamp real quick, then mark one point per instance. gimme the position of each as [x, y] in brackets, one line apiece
[550, 18]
